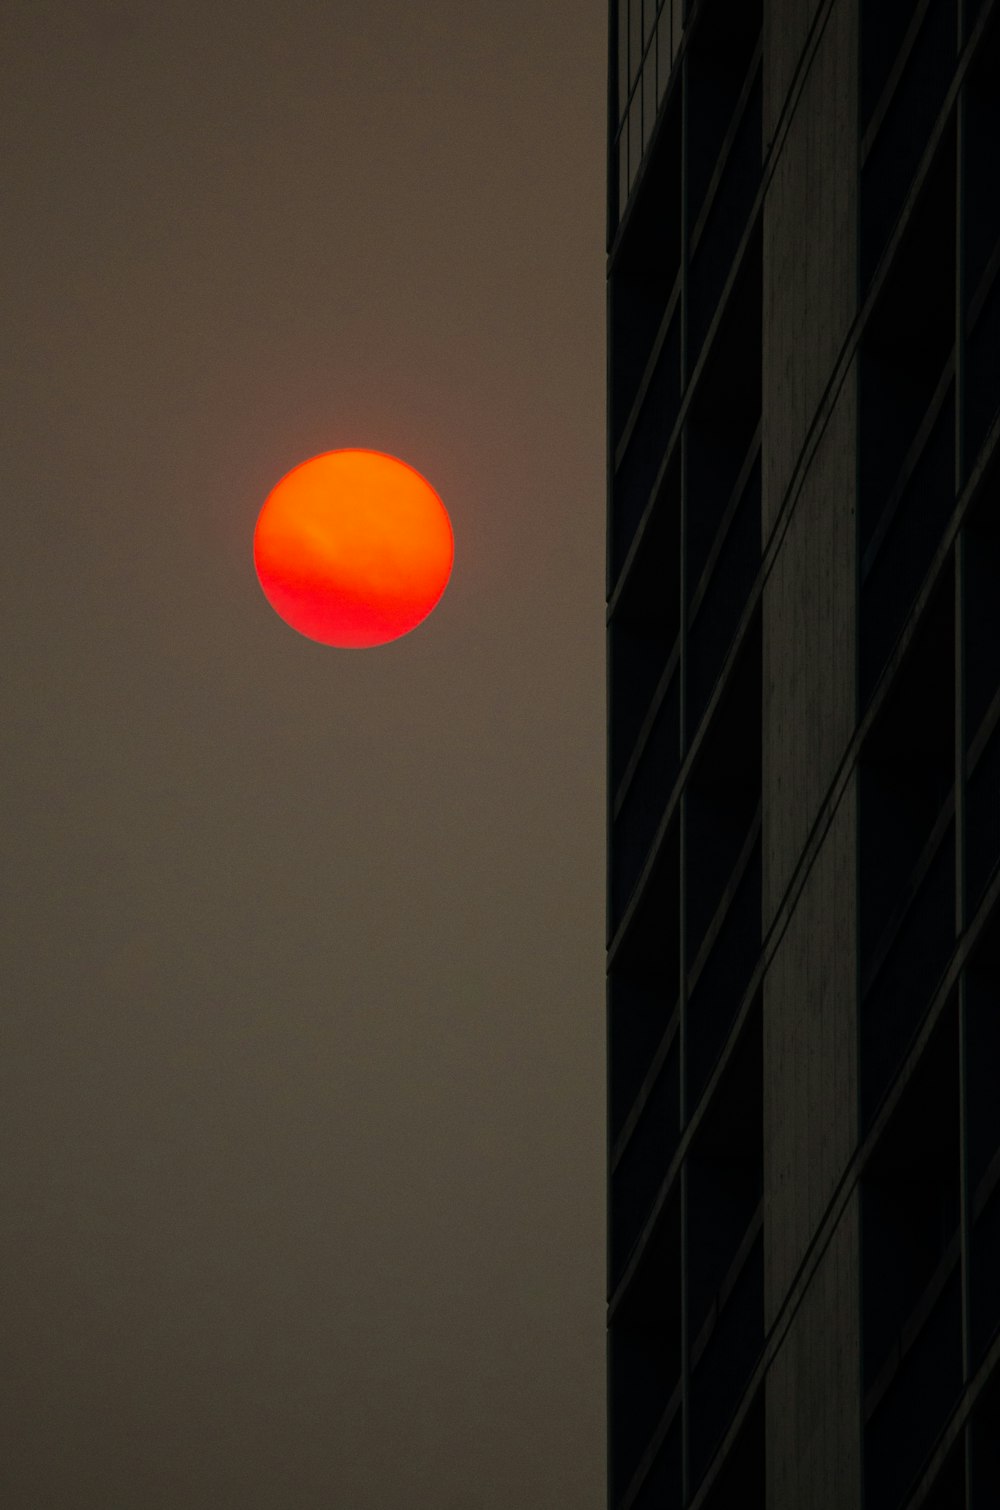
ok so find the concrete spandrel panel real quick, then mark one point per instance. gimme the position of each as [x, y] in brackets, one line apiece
[813, 1416]
[810, 222]
[808, 653]
[787, 24]
[810, 1058]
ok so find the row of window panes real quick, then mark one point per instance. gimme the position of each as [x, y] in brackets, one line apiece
[648, 39]
[637, 20]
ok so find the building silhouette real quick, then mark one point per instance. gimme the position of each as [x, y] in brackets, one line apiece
[804, 754]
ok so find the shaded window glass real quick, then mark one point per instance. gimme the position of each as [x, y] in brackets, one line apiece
[664, 54]
[622, 58]
[634, 135]
[648, 96]
[634, 39]
[622, 169]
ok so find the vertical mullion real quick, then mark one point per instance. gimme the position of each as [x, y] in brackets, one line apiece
[965, 1233]
[613, 214]
[682, 673]
[614, 126]
[856, 880]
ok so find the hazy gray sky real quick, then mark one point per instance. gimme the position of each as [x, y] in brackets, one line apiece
[301, 1078]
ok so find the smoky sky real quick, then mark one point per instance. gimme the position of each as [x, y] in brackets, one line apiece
[301, 1078]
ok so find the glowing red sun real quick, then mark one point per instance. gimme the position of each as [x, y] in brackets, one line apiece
[353, 548]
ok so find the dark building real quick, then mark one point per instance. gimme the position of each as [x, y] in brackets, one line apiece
[804, 754]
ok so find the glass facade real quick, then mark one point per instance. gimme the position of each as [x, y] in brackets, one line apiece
[929, 697]
[686, 1255]
[803, 609]
[648, 34]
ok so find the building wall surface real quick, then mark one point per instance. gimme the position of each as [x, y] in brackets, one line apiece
[804, 753]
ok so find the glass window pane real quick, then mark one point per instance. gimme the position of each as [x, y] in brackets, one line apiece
[634, 135]
[664, 56]
[648, 95]
[622, 57]
[634, 38]
[623, 170]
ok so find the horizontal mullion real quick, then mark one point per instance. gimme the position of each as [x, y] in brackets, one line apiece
[666, 462]
[688, 1134]
[615, 943]
[635, 79]
[911, 887]
[657, 1438]
[892, 82]
[732, 131]
[695, 11]
[662, 111]
[983, 290]
[897, 236]
[729, 891]
[889, 1103]
[729, 513]
[912, 1327]
[635, 549]
[736, 1266]
[986, 1188]
[910, 462]
[983, 735]
[645, 728]
[645, 381]
[920, 1492]
[963, 507]
[691, 389]
[642, 1096]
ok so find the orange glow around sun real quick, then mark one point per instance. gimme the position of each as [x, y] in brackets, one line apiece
[353, 548]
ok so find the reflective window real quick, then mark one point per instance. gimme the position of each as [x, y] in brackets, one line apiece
[622, 169]
[634, 136]
[622, 58]
[664, 51]
[634, 39]
[649, 100]
[647, 38]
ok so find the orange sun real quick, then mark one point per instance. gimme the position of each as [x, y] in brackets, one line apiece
[353, 548]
